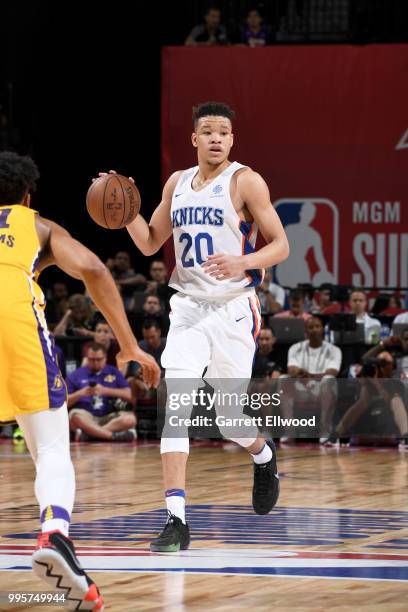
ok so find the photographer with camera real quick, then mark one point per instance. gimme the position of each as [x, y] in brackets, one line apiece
[99, 397]
[398, 347]
[379, 391]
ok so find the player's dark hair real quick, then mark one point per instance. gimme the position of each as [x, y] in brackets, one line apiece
[18, 176]
[148, 323]
[217, 109]
[95, 346]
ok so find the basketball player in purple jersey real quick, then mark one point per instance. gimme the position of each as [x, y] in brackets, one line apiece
[213, 211]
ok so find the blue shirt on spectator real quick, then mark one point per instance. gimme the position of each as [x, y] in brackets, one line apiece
[109, 376]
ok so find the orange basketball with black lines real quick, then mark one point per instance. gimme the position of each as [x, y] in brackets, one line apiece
[113, 201]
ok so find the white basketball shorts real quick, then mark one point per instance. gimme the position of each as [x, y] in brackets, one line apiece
[220, 335]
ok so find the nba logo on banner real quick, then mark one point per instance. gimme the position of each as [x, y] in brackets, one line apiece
[312, 228]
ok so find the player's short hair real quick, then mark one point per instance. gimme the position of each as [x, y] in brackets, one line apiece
[217, 109]
[18, 176]
[95, 346]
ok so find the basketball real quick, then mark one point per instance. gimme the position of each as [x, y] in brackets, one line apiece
[113, 201]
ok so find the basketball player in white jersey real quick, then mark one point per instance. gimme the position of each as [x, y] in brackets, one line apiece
[213, 211]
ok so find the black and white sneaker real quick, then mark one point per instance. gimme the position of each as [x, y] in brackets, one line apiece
[55, 561]
[129, 435]
[265, 491]
[174, 537]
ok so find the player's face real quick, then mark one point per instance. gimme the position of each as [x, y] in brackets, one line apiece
[213, 139]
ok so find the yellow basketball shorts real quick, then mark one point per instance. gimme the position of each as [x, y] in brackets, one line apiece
[30, 379]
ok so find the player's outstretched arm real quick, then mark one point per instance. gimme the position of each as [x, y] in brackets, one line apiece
[150, 237]
[78, 261]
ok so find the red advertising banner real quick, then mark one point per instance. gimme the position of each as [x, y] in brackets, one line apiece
[327, 127]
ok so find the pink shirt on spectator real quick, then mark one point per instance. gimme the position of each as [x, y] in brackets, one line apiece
[288, 313]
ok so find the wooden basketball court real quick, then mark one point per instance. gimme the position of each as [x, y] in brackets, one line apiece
[338, 537]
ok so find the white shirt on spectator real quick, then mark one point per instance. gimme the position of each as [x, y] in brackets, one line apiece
[314, 360]
[401, 318]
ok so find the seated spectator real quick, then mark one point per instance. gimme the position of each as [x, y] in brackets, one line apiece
[93, 394]
[77, 320]
[210, 33]
[358, 307]
[158, 284]
[323, 298]
[296, 306]
[267, 299]
[401, 318]
[126, 278]
[255, 32]
[266, 360]
[152, 343]
[317, 363]
[103, 335]
[151, 309]
[57, 303]
[387, 394]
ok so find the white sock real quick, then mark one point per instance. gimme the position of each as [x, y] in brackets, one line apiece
[55, 524]
[176, 504]
[264, 455]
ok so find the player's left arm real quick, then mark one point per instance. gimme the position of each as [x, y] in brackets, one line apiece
[254, 193]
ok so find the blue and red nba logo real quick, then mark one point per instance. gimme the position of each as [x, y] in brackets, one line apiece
[312, 228]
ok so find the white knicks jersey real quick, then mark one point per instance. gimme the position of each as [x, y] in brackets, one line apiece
[204, 223]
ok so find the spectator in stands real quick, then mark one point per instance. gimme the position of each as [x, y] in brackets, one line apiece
[57, 303]
[77, 320]
[402, 318]
[158, 285]
[398, 347]
[268, 299]
[387, 394]
[266, 360]
[387, 305]
[358, 306]
[126, 278]
[151, 309]
[210, 33]
[255, 32]
[152, 343]
[317, 363]
[93, 394]
[296, 306]
[103, 335]
[323, 298]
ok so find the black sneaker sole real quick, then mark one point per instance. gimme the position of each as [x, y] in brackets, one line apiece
[50, 565]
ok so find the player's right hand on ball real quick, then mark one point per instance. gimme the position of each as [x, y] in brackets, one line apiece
[111, 172]
[151, 371]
